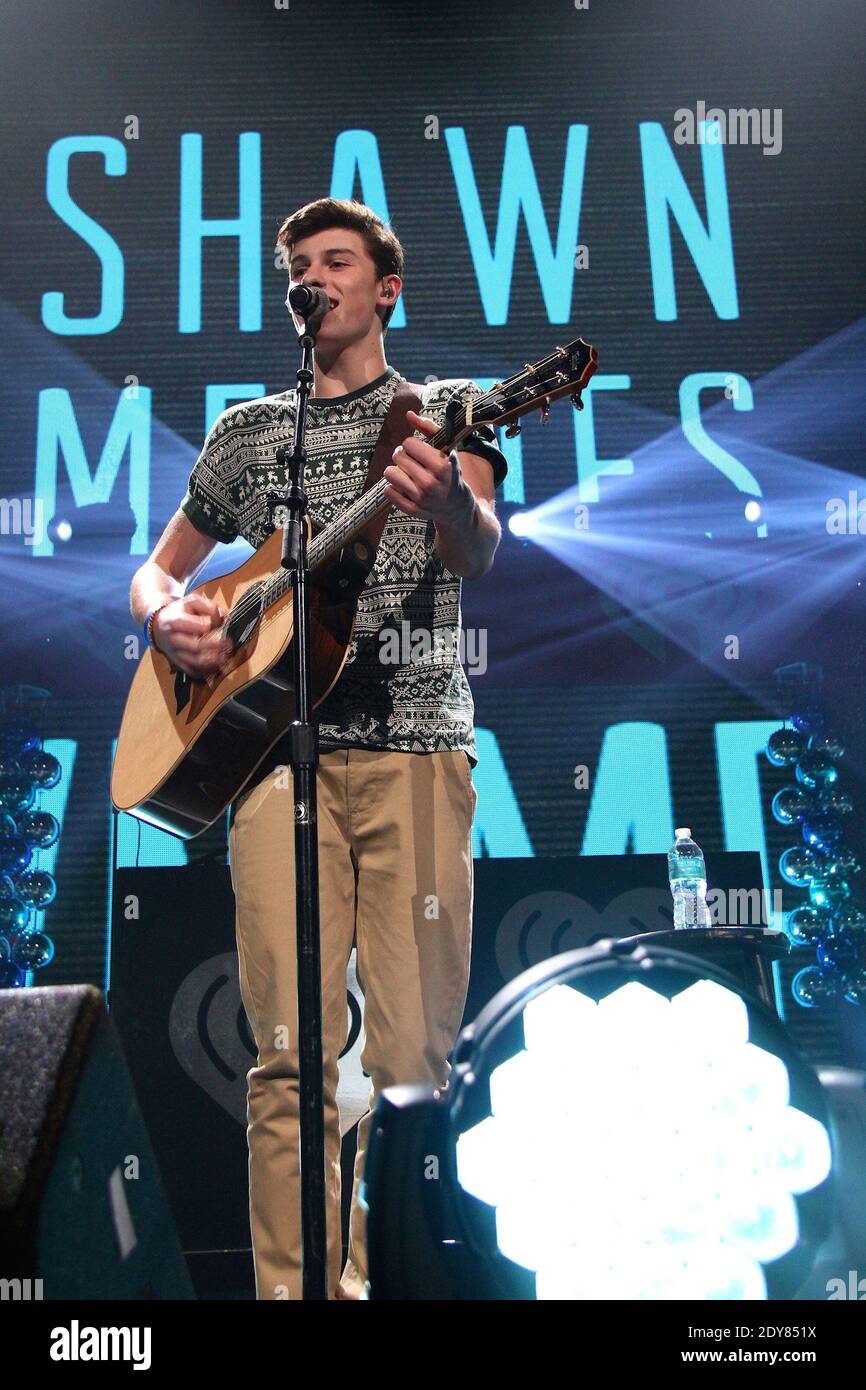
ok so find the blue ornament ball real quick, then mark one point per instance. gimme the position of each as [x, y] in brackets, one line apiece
[17, 793]
[828, 892]
[32, 950]
[822, 864]
[797, 865]
[5, 950]
[7, 887]
[821, 830]
[845, 863]
[827, 742]
[854, 986]
[816, 770]
[835, 800]
[42, 767]
[39, 828]
[784, 747]
[15, 854]
[36, 888]
[809, 719]
[807, 925]
[838, 952]
[849, 917]
[16, 739]
[14, 916]
[791, 804]
[812, 987]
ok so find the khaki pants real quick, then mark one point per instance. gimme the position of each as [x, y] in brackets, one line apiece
[395, 870]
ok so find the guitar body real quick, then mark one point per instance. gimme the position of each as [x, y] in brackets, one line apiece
[187, 747]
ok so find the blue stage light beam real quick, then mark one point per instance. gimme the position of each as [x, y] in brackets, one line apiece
[676, 543]
[70, 627]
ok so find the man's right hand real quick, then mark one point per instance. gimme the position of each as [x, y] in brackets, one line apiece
[186, 631]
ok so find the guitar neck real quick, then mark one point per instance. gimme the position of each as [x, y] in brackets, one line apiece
[563, 372]
[370, 503]
[353, 519]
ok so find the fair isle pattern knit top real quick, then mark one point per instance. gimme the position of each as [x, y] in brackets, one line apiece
[403, 687]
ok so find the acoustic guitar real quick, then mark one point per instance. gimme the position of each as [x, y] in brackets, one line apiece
[187, 747]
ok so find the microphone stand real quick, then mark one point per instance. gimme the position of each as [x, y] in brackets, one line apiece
[304, 759]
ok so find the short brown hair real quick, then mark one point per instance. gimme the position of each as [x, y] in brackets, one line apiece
[383, 246]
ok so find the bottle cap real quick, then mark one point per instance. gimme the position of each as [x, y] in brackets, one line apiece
[684, 834]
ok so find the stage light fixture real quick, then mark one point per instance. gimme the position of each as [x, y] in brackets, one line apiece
[675, 1081]
[622, 1122]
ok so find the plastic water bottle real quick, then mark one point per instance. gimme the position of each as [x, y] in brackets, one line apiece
[688, 879]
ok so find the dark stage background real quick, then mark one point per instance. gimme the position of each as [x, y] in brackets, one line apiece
[526, 156]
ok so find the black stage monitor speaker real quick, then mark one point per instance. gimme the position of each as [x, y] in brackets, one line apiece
[83, 1211]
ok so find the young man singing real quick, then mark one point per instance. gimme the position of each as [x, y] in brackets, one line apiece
[396, 737]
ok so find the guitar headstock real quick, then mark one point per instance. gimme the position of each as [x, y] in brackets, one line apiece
[564, 372]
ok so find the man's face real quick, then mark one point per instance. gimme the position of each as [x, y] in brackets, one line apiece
[337, 261]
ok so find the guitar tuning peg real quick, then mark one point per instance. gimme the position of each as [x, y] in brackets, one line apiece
[576, 401]
[513, 430]
[545, 410]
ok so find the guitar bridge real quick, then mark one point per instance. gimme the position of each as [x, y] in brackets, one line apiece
[181, 691]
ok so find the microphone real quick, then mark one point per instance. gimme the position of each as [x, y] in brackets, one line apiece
[308, 301]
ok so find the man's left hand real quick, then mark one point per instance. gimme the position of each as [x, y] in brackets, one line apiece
[423, 481]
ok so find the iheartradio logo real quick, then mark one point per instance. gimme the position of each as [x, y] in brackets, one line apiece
[546, 924]
[213, 1044]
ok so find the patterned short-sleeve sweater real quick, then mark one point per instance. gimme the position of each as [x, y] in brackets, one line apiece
[403, 687]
